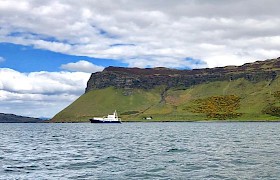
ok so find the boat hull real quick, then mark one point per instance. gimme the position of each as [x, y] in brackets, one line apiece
[100, 121]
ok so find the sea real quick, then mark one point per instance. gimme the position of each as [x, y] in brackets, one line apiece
[186, 150]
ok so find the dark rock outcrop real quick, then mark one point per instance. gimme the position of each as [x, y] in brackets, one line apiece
[130, 78]
[11, 118]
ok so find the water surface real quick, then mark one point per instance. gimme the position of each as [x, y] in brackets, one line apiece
[140, 151]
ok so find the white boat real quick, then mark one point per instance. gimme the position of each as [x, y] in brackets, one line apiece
[111, 118]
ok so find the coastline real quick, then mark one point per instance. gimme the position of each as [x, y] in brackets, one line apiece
[180, 121]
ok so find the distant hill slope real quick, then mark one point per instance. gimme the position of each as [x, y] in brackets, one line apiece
[11, 118]
[247, 92]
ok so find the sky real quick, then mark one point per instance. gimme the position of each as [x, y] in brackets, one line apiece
[48, 49]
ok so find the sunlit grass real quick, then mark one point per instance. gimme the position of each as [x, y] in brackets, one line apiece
[178, 103]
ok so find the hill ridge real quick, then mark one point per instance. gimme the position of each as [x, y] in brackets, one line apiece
[148, 78]
[250, 92]
[12, 118]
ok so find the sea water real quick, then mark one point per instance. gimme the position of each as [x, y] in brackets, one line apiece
[140, 151]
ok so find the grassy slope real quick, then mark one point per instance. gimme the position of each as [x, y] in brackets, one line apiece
[254, 97]
[104, 101]
[176, 105]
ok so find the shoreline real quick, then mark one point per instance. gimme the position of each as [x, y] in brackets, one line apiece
[181, 121]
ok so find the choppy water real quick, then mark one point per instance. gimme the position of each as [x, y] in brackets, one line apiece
[140, 151]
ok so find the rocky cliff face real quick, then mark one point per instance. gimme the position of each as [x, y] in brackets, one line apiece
[132, 78]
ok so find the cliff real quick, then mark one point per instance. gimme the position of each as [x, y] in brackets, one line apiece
[131, 78]
[247, 92]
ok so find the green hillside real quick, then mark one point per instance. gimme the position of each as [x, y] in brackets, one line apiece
[207, 101]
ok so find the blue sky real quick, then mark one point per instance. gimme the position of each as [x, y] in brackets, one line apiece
[28, 59]
[48, 49]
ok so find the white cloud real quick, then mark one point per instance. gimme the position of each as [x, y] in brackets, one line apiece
[217, 32]
[39, 93]
[2, 59]
[82, 66]
[165, 61]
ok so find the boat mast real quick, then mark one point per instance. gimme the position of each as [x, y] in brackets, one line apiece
[116, 115]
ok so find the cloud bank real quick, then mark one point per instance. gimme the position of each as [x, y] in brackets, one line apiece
[39, 93]
[176, 34]
[147, 33]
